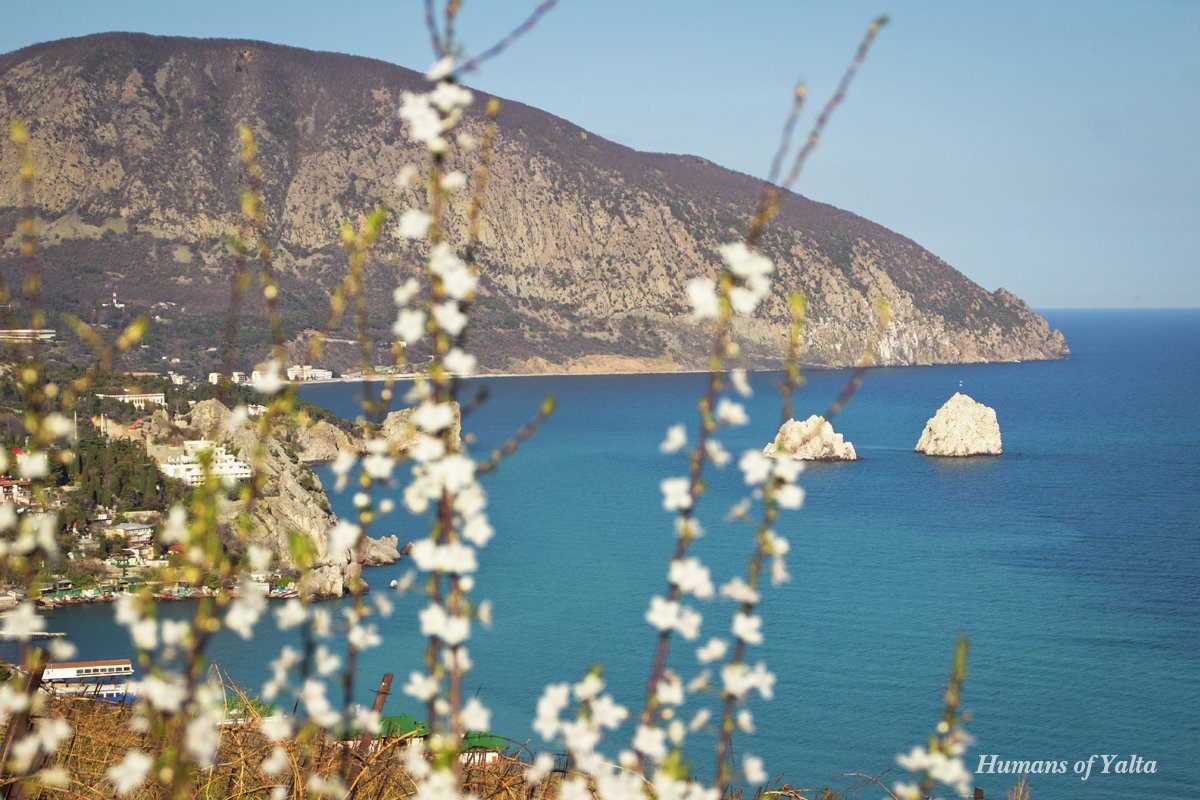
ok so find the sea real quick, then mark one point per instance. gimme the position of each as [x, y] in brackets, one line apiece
[1071, 563]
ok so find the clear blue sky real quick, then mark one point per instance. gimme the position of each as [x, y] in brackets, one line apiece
[1049, 147]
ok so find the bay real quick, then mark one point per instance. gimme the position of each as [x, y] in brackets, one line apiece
[1071, 562]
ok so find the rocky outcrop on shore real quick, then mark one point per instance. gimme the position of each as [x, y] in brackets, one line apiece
[292, 499]
[811, 440]
[322, 442]
[961, 427]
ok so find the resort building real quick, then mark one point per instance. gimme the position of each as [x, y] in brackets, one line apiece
[188, 467]
[307, 372]
[138, 400]
[16, 490]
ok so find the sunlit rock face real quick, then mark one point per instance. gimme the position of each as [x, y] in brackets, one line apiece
[961, 427]
[811, 440]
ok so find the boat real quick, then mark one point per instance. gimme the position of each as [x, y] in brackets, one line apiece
[104, 680]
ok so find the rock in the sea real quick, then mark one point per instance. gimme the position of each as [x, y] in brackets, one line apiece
[811, 440]
[381, 551]
[962, 427]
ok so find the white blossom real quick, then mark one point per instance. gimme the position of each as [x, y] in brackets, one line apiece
[165, 693]
[588, 688]
[245, 609]
[441, 69]
[702, 292]
[475, 717]
[267, 379]
[748, 628]
[62, 650]
[413, 224]
[691, 577]
[434, 417]
[717, 453]
[755, 466]
[553, 700]
[787, 469]
[319, 708]
[421, 686]
[201, 739]
[744, 262]
[731, 413]
[608, 714]
[276, 728]
[676, 439]
[321, 786]
[539, 769]
[477, 530]
[22, 622]
[689, 623]
[651, 742]
[752, 768]
[713, 651]
[677, 493]
[663, 614]
[791, 497]
[326, 662]
[450, 628]
[342, 537]
[738, 378]
[362, 637]
[403, 294]
[33, 465]
[130, 772]
[276, 763]
[449, 317]
[175, 633]
[290, 614]
[424, 124]
[409, 326]
[739, 591]
[669, 690]
[406, 177]
[458, 362]
[448, 96]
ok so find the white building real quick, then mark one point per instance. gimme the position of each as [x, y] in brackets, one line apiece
[188, 467]
[138, 400]
[307, 372]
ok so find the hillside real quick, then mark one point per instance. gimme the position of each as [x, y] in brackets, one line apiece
[586, 244]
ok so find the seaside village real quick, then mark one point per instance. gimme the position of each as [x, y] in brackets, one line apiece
[125, 543]
[123, 554]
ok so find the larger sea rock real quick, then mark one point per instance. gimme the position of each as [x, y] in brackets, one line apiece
[811, 440]
[961, 427]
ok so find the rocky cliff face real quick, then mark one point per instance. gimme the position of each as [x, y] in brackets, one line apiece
[961, 427]
[586, 245]
[322, 442]
[292, 501]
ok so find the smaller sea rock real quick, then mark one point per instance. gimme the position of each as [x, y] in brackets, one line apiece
[961, 427]
[381, 551]
[811, 440]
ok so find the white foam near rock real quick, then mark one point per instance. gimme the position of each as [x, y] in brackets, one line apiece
[811, 440]
[961, 427]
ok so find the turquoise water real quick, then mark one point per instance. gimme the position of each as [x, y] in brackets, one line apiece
[1071, 562]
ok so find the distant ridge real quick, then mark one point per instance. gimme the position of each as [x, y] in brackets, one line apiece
[586, 244]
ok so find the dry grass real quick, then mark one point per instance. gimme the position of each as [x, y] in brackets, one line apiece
[102, 736]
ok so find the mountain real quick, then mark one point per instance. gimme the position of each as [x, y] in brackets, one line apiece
[586, 245]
